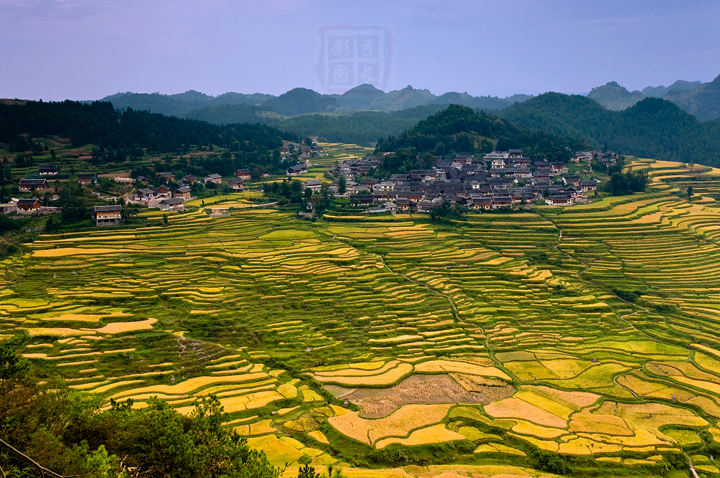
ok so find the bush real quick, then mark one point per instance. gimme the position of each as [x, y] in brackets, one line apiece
[547, 461]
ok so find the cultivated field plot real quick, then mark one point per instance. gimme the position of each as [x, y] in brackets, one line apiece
[588, 332]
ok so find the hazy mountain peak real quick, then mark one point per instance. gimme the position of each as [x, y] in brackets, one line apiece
[615, 97]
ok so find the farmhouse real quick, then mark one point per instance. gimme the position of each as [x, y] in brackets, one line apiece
[163, 192]
[189, 178]
[28, 206]
[28, 185]
[182, 193]
[235, 184]
[403, 205]
[501, 201]
[482, 202]
[572, 180]
[144, 194]
[107, 215]
[590, 185]
[166, 176]
[48, 169]
[174, 204]
[312, 184]
[559, 200]
[243, 174]
[142, 180]
[87, 178]
[515, 153]
[296, 170]
[213, 178]
[558, 168]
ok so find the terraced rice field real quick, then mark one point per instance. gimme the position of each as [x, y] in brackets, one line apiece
[602, 320]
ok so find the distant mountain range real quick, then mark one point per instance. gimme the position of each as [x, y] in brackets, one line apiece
[257, 107]
[699, 99]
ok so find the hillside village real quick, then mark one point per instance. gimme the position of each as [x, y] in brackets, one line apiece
[467, 180]
[500, 179]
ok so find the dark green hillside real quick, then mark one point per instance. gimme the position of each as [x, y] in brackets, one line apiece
[154, 103]
[573, 116]
[652, 127]
[362, 127]
[102, 125]
[459, 128]
[228, 114]
[300, 101]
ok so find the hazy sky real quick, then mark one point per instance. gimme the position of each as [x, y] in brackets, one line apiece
[83, 49]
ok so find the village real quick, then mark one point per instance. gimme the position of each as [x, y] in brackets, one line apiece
[500, 179]
[511, 179]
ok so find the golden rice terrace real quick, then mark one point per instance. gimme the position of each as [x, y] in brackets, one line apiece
[589, 332]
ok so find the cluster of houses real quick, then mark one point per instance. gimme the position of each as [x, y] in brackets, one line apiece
[599, 156]
[172, 195]
[467, 180]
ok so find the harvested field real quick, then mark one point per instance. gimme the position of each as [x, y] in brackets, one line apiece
[428, 389]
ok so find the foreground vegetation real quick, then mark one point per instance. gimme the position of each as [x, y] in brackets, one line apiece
[578, 340]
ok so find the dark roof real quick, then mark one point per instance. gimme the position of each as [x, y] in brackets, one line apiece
[52, 167]
[89, 176]
[27, 202]
[110, 208]
[33, 181]
[183, 190]
[173, 201]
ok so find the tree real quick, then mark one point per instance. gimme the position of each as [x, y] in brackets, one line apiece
[342, 185]
[12, 366]
[308, 193]
[4, 197]
[165, 219]
[52, 224]
[690, 192]
[618, 184]
[295, 186]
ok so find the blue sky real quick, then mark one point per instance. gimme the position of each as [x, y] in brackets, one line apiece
[87, 49]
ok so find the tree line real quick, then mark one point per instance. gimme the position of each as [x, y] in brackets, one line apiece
[119, 135]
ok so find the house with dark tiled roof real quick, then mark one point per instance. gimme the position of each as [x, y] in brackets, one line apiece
[47, 169]
[28, 185]
[110, 215]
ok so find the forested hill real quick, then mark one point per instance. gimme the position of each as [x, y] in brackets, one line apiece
[652, 128]
[459, 128]
[100, 124]
[361, 127]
